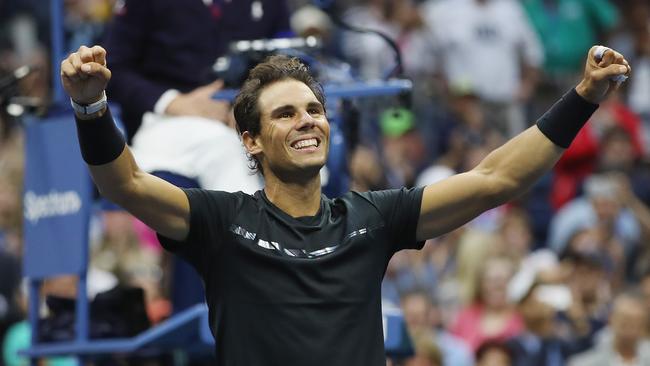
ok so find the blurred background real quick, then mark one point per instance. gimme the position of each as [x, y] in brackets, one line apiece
[560, 276]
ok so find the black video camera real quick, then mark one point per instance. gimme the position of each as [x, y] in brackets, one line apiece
[243, 55]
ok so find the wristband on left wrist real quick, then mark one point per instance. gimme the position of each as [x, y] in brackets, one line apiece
[562, 122]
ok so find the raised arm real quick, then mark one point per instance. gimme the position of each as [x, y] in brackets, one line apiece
[513, 168]
[159, 204]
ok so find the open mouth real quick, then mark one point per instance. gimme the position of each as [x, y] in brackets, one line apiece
[306, 144]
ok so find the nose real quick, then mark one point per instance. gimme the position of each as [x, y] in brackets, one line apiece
[306, 121]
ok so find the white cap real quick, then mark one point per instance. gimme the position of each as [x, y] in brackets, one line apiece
[310, 17]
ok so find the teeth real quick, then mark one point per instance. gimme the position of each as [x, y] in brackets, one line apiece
[305, 143]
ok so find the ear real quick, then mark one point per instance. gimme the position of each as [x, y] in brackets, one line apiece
[251, 143]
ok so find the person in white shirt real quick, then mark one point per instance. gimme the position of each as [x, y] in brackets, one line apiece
[491, 46]
[626, 345]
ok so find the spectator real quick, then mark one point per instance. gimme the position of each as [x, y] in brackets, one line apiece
[516, 237]
[9, 282]
[490, 315]
[493, 353]
[403, 148]
[18, 336]
[161, 57]
[461, 129]
[579, 161]
[11, 182]
[639, 90]
[374, 59]
[85, 20]
[427, 353]
[310, 21]
[627, 345]
[399, 20]
[645, 291]
[618, 155]
[515, 242]
[161, 54]
[474, 247]
[443, 254]
[634, 40]
[366, 170]
[600, 207]
[422, 319]
[410, 271]
[123, 253]
[586, 273]
[491, 46]
[567, 29]
[608, 234]
[539, 344]
[641, 211]
[23, 31]
[391, 284]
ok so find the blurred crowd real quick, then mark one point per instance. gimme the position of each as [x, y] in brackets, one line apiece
[559, 277]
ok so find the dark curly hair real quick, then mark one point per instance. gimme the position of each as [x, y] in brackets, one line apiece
[274, 68]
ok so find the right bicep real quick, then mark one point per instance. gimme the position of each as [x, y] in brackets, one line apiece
[159, 204]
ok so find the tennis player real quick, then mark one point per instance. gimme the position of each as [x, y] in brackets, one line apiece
[293, 277]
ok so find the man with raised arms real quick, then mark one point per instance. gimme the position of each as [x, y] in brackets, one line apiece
[293, 277]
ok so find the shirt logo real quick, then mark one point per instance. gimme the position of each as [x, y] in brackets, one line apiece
[281, 250]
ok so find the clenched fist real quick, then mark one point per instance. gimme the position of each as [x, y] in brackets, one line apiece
[84, 74]
[602, 70]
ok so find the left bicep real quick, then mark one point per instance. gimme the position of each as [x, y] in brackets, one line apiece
[504, 174]
[450, 203]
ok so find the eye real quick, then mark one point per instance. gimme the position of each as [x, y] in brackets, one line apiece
[314, 111]
[286, 114]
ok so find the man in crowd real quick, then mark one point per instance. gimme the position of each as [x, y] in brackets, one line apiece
[626, 344]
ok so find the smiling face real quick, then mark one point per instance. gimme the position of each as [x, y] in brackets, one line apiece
[294, 138]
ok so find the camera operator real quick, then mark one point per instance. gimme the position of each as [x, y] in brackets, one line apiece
[162, 52]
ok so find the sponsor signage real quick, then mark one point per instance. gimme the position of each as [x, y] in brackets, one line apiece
[56, 199]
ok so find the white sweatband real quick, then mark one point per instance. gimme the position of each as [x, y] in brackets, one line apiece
[165, 100]
[92, 108]
[598, 55]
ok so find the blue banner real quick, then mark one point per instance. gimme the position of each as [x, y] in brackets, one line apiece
[56, 199]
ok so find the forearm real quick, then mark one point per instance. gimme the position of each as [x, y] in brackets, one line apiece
[514, 167]
[117, 179]
[110, 161]
[157, 203]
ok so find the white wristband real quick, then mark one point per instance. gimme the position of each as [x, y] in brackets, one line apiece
[87, 109]
[165, 100]
[598, 55]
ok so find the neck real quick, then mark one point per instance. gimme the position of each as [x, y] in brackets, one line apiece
[541, 330]
[297, 199]
[625, 350]
[497, 309]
